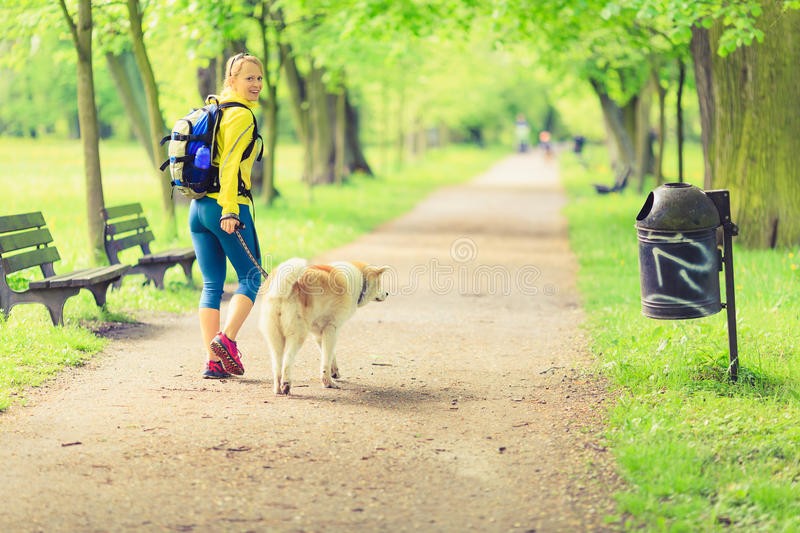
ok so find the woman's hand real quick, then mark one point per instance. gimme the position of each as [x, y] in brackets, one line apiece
[229, 223]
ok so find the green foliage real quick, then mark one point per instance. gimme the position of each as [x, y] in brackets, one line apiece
[440, 57]
[698, 452]
[740, 19]
[406, 64]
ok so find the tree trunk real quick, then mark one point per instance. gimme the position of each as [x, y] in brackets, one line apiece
[320, 127]
[752, 142]
[701, 55]
[269, 130]
[643, 138]
[613, 114]
[129, 87]
[340, 136]
[87, 118]
[298, 97]
[207, 79]
[354, 153]
[155, 119]
[297, 92]
[401, 127]
[662, 128]
[386, 128]
[270, 135]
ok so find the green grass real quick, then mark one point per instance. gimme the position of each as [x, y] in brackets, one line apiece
[47, 176]
[698, 452]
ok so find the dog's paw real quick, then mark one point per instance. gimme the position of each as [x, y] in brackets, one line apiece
[335, 372]
[286, 387]
[328, 383]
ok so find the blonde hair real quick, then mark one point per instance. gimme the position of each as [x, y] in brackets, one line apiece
[235, 63]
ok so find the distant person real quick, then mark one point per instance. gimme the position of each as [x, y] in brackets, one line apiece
[579, 141]
[544, 142]
[577, 149]
[522, 131]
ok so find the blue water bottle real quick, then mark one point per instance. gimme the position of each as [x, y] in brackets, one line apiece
[202, 158]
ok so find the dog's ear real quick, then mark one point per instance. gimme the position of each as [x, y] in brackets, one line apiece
[381, 269]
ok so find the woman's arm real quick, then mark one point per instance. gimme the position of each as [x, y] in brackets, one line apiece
[235, 133]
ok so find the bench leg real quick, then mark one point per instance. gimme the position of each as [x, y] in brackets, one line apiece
[54, 300]
[56, 310]
[99, 292]
[155, 273]
[187, 269]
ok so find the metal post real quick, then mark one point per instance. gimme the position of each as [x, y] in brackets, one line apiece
[721, 199]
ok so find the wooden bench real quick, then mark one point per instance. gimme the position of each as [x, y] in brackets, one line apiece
[25, 243]
[127, 227]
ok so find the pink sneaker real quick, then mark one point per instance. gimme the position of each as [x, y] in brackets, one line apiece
[229, 355]
[214, 370]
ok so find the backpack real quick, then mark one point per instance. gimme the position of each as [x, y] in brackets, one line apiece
[192, 145]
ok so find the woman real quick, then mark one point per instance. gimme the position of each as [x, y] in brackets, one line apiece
[214, 218]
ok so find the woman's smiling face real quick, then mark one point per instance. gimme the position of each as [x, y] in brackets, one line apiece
[247, 83]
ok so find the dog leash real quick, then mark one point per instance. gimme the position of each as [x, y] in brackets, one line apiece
[239, 227]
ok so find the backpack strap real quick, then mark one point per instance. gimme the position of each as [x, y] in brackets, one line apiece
[213, 180]
[256, 135]
[242, 191]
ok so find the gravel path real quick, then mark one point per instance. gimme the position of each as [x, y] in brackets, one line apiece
[466, 402]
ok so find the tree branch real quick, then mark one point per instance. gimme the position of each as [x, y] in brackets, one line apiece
[70, 22]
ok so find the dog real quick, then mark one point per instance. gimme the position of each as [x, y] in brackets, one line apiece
[317, 299]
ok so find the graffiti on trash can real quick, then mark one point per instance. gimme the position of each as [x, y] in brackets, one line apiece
[707, 265]
[686, 269]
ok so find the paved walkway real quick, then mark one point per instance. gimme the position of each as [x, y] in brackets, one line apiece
[465, 405]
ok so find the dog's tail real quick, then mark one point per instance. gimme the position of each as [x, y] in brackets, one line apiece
[284, 276]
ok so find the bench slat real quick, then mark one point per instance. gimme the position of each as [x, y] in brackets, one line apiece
[29, 259]
[121, 211]
[52, 282]
[22, 221]
[134, 240]
[124, 226]
[80, 278]
[168, 255]
[25, 239]
[91, 276]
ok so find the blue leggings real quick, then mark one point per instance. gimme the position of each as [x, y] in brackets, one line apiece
[213, 246]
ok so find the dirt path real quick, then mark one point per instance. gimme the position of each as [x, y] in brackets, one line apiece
[464, 406]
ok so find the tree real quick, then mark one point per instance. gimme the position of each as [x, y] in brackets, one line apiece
[748, 100]
[130, 91]
[315, 90]
[155, 118]
[266, 23]
[81, 32]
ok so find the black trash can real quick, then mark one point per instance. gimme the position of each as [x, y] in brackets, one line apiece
[679, 261]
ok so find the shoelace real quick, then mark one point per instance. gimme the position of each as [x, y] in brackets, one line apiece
[237, 351]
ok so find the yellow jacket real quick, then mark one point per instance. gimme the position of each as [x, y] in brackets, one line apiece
[236, 130]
